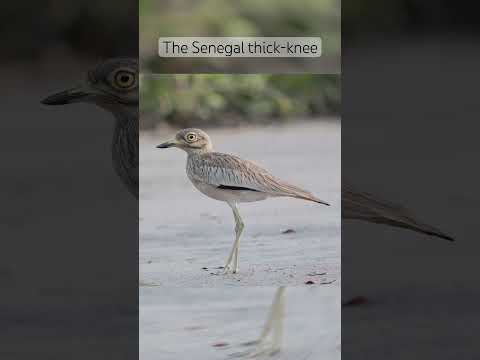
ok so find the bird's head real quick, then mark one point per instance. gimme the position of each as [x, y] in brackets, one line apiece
[113, 85]
[190, 140]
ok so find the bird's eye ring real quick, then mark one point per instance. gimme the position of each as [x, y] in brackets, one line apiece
[124, 79]
[191, 137]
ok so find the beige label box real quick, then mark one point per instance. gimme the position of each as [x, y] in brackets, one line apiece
[239, 47]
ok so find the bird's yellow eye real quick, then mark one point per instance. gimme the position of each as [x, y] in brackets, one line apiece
[191, 137]
[124, 79]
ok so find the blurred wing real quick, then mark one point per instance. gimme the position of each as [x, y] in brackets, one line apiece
[363, 206]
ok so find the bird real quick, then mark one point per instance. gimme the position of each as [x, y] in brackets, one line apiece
[230, 179]
[113, 86]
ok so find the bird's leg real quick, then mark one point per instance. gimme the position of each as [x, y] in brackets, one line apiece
[234, 252]
[273, 326]
[278, 329]
[237, 247]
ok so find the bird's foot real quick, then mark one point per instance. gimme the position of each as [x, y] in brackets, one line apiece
[230, 269]
[264, 349]
[261, 349]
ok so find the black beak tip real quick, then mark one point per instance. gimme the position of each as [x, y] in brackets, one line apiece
[65, 97]
[54, 100]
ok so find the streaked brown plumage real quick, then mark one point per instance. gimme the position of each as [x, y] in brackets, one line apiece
[231, 171]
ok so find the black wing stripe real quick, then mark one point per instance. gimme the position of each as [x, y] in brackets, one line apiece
[226, 187]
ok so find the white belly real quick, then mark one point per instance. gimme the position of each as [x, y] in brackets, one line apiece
[232, 196]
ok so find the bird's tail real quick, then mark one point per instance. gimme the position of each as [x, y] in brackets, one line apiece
[311, 197]
[366, 207]
[284, 189]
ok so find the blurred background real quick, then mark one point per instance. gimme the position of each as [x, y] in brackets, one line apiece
[211, 100]
[409, 130]
[79, 29]
[56, 216]
[240, 18]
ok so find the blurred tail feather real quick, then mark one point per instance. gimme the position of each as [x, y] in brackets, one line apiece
[296, 192]
[366, 207]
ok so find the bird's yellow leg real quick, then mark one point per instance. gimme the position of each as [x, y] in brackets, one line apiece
[277, 336]
[233, 256]
[273, 326]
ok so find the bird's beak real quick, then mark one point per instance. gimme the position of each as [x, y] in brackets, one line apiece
[167, 144]
[69, 96]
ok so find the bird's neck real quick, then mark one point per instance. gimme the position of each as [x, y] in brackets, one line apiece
[198, 152]
[126, 131]
[125, 141]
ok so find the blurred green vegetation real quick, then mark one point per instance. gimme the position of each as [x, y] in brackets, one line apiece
[235, 18]
[229, 100]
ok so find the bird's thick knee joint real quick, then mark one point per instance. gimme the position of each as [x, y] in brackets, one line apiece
[239, 226]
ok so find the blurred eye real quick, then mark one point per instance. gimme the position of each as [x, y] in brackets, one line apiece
[124, 79]
[191, 137]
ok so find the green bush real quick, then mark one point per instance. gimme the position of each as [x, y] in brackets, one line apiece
[213, 100]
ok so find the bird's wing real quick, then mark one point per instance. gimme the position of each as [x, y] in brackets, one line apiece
[225, 170]
[366, 207]
[219, 169]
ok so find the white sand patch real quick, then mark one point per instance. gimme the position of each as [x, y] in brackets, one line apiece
[211, 324]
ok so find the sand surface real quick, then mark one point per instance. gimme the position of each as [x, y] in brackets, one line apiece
[213, 324]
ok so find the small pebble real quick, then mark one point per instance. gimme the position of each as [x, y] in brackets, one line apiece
[220, 344]
[327, 282]
[204, 268]
[288, 231]
[316, 274]
[309, 282]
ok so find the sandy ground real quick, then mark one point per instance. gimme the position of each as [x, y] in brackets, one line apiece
[185, 237]
[211, 324]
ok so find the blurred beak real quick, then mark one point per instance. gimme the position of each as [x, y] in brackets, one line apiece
[167, 144]
[69, 96]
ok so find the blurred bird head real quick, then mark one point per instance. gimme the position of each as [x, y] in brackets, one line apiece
[112, 85]
[190, 140]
